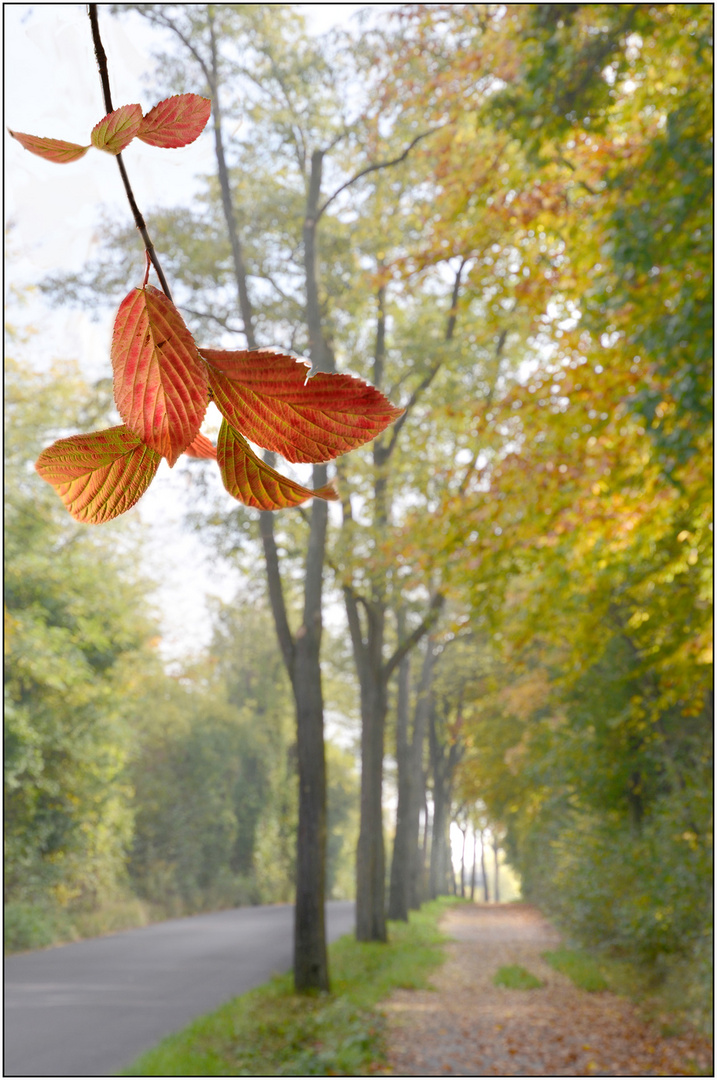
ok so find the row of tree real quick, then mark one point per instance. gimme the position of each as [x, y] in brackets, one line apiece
[461, 204]
[125, 780]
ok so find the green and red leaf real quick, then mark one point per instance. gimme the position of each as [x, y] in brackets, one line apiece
[51, 149]
[100, 475]
[253, 482]
[160, 382]
[176, 121]
[267, 396]
[117, 129]
[202, 447]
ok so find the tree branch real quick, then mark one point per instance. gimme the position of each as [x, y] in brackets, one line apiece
[223, 322]
[489, 399]
[450, 328]
[138, 219]
[421, 630]
[374, 168]
[276, 593]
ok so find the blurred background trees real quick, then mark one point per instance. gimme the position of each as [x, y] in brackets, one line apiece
[524, 559]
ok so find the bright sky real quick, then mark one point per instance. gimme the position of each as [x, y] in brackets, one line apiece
[52, 88]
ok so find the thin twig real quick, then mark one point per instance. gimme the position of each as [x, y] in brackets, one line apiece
[138, 219]
[374, 168]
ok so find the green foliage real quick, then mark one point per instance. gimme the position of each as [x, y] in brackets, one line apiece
[580, 968]
[200, 786]
[515, 977]
[214, 779]
[75, 625]
[31, 926]
[272, 1032]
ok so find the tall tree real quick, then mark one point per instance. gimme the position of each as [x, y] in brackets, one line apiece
[200, 31]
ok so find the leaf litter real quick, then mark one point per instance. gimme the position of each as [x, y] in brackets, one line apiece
[467, 1026]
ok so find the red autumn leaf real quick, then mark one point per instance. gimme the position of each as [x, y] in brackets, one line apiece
[100, 475]
[51, 149]
[202, 448]
[117, 129]
[267, 396]
[253, 482]
[176, 121]
[160, 382]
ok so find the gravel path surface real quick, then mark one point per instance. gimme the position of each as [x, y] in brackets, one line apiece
[467, 1026]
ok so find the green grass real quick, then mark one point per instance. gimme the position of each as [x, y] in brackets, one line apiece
[515, 977]
[581, 968]
[271, 1031]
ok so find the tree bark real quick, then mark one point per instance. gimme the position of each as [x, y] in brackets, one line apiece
[496, 884]
[486, 894]
[443, 763]
[400, 864]
[370, 853]
[240, 273]
[418, 851]
[302, 653]
[464, 830]
[374, 673]
[437, 880]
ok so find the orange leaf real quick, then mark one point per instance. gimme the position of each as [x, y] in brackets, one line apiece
[176, 121]
[253, 482]
[51, 149]
[268, 397]
[202, 448]
[160, 382]
[117, 129]
[101, 475]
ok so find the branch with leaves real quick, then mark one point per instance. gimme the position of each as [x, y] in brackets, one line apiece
[163, 382]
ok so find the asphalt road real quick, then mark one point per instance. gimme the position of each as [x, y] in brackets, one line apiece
[90, 1008]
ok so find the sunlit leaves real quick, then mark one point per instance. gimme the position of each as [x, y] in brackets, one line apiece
[162, 386]
[160, 382]
[116, 130]
[268, 396]
[101, 475]
[253, 482]
[51, 149]
[176, 121]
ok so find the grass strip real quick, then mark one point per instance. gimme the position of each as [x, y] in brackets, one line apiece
[515, 977]
[581, 968]
[270, 1031]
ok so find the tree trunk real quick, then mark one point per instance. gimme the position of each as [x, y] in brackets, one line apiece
[473, 867]
[417, 851]
[400, 864]
[496, 885]
[302, 658]
[310, 959]
[240, 274]
[370, 854]
[374, 674]
[427, 833]
[463, 863]
[437, 868]
[484, 875]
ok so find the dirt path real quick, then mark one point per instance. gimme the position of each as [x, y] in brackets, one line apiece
[469, 1027]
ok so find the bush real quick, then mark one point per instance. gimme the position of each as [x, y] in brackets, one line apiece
[32, 926]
